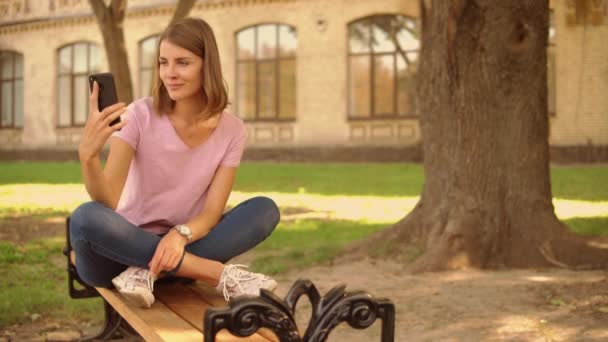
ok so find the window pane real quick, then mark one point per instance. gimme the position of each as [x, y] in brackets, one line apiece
[267, 41]
[64, 101]
[408, 35]
[80, 99]
[246, 90]
[288, 41]
[359, 37]
[6, 60]
[407, 41]
[18, 66]
[80, 58]
[384, 84]
[405, 88]
[65, 60]
[7, 103]
[246, 44]
[95, 61]
[359, 88]
[287, 89]
[145, 86]
[381, 31]
[19, 103]
[412, 58]
[267, 86]
[148, 52]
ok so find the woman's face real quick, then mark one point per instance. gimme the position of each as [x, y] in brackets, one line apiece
[180, 71]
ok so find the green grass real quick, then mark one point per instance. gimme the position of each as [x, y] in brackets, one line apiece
[588, 183]
[33, 276]
[300, 244]
[33, 281]
[40, 172]
[372, 179]
[588, 226]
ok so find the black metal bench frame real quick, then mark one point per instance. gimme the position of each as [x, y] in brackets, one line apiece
[114, 325]
[245, 315]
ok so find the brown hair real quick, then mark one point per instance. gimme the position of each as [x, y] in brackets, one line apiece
[195, 35]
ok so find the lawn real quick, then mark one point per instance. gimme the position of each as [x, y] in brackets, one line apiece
[325, 206]
[586, 183]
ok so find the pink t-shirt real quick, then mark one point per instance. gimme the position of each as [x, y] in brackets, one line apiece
[168, 181]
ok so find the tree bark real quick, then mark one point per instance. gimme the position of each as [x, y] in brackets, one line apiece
[482, 95]
[110, 20]
[182, 9]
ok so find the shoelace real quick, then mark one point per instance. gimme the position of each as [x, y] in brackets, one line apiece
[148, 278]
[233, 273]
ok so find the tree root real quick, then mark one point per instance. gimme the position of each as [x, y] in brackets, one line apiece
[547, 252]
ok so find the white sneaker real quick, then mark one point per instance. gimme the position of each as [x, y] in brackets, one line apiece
[136, 284]
[235, 282]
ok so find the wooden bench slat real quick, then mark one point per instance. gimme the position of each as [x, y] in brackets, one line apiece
[158, 323]
[177, 314]
[191, 305]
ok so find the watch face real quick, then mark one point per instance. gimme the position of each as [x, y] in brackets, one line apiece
[184, 230]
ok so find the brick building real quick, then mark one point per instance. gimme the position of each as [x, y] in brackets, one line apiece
[304, 74]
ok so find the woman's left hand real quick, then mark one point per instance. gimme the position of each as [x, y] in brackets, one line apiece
[168, 252]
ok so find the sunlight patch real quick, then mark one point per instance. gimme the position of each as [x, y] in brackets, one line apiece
[371, 209]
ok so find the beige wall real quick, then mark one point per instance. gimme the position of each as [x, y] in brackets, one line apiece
[582, 81]
[581, 69]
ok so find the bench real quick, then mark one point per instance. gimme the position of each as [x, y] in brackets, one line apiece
[192, 311]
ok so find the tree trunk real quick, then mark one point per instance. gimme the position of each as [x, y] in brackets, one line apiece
[182, 9]
[110, 19]
[482, 95]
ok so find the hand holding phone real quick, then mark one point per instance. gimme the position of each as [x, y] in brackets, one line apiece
[104, 116]
[107, 91]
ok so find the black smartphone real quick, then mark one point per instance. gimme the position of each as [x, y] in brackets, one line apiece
[107, 91]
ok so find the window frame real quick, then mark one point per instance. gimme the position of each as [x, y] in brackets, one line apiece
[257, 61]
[372, 56]
[140, 61]
[72, 76]
[13, 81]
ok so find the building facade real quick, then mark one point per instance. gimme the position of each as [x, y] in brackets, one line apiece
[301, 73]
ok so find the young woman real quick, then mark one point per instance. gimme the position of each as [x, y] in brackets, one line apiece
[158, 203]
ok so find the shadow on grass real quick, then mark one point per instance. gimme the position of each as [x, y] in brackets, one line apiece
[300, 244]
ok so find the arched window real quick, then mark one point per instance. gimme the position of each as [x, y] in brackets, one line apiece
[147, 64]
[76, 62]
[382, 63]
[266, 72]
[11, 89]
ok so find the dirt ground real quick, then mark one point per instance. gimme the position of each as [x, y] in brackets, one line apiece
[468, 305]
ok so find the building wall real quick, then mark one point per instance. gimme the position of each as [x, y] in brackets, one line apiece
[321, 120]
[582, 76]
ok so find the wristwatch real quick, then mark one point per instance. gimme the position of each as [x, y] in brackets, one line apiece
[184, 230]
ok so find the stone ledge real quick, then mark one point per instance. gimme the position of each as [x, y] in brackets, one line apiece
[559, 154]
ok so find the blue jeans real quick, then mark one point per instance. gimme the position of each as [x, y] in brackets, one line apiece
[105, 243]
